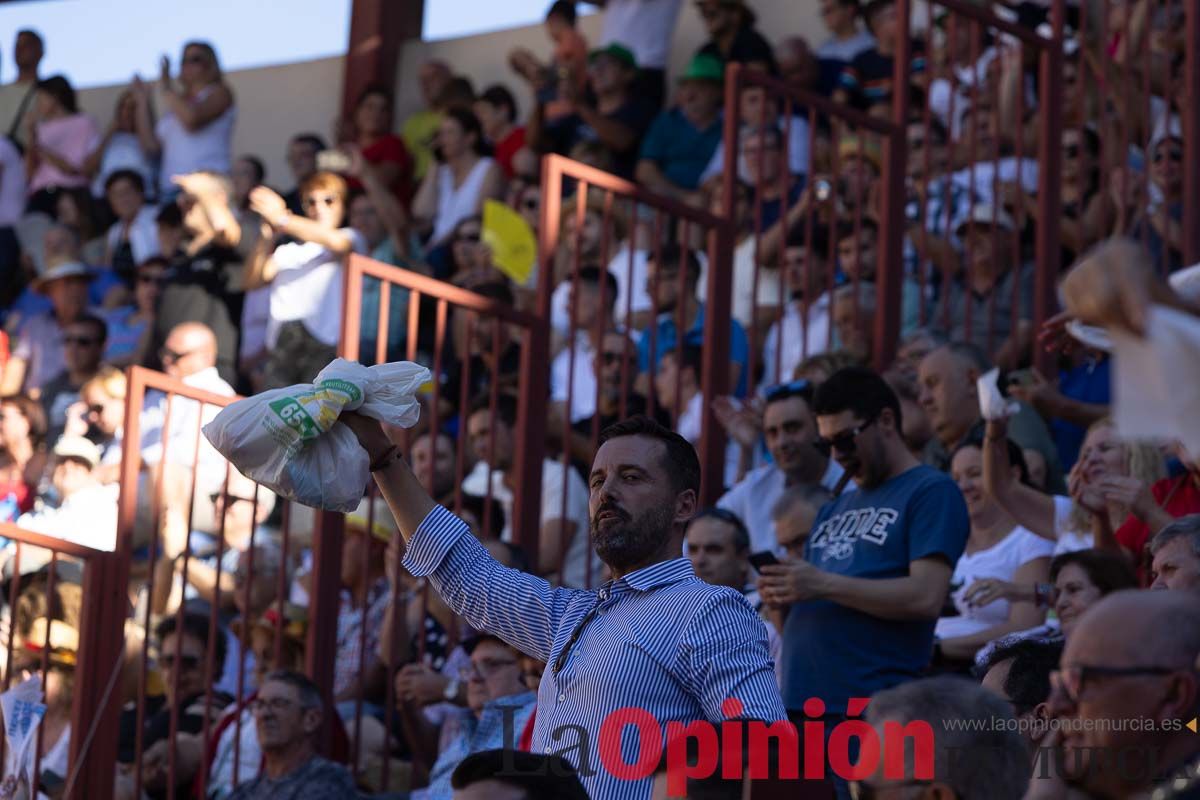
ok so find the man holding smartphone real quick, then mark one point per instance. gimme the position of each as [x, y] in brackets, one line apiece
[877, 564]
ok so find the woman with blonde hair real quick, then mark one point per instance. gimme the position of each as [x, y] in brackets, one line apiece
[1084, 520]
[195, 132]
[100, 416]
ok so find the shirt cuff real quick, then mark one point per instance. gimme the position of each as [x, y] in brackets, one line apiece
[432, 541]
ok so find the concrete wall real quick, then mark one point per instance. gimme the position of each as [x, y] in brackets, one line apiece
[483, 58]
[273, 104]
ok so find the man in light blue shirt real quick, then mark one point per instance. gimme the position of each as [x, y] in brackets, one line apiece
[654, 638]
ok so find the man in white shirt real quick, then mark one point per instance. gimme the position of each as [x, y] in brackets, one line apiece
[677, 387]
[190, 356]
[646, 27]
[789, 429]
[563, 545]
[594, 295]
[805, 328]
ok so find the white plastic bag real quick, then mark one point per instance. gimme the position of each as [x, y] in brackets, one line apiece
[289, 439]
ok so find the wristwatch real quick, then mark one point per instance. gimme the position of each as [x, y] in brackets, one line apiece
[451, 693]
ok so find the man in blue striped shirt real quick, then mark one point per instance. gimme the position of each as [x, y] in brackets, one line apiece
[655, 638]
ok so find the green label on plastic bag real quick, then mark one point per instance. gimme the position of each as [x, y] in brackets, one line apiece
[345, 387]
[294, 415]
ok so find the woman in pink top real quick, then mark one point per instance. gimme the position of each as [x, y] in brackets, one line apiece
[60, 139]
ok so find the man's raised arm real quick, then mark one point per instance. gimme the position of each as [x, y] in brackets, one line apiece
[520, 608]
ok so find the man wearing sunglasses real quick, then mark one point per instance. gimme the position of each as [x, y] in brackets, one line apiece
[789, 429]
[1126, 689]
[878, 561]
[83, 347]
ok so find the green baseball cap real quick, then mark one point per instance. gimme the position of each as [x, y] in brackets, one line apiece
[617, 51]
[704, 67]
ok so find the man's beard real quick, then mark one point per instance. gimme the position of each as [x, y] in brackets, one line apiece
[631, 542]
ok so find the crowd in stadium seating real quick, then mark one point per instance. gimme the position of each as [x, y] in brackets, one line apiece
[912, 538]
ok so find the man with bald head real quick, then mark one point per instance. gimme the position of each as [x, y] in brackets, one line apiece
[947, 392]
[1126, 688]
[189, 355]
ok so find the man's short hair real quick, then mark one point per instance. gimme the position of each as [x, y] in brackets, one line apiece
[681, 463]
[196, 626]
[564, 9]
[973, 755]
[98, 326]
[541, 777]
[169, 216]
[134, 177]
[741, 536]
[672, 254]
[847, 228]
[310, 695]
[817, 244]
[858, 390]
[689, 356]
[593, 275]
[495, 290]
[1187, 528]
[498, 95]
[1028, 681]
[506, 407]
[311, 139]
[477, 505]
[811, 494]
[970, 354]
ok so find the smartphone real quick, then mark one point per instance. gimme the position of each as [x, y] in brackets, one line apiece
[333, 161]
[762, 559]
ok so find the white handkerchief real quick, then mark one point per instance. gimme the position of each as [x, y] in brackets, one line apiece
[1156, 379]
[992, 404]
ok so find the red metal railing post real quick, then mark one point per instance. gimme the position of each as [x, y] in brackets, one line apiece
[890, 269]
[101, 654]
[1048, 252]
[1191, 138]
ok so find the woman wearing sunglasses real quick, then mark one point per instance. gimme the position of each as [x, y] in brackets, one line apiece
[998, 549]
[305, 276]
[195, 132]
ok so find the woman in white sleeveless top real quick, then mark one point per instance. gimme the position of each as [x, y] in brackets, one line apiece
[463, 180]
[998, 549]
[195, 132]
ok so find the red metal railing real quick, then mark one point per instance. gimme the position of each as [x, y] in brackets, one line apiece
[651, 221]
[93, 674]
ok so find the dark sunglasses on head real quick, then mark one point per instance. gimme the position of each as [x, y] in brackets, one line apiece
[797, 388]
[81, 341]
[844, 441]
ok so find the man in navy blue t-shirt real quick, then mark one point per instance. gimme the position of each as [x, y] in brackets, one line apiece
[863, 603]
